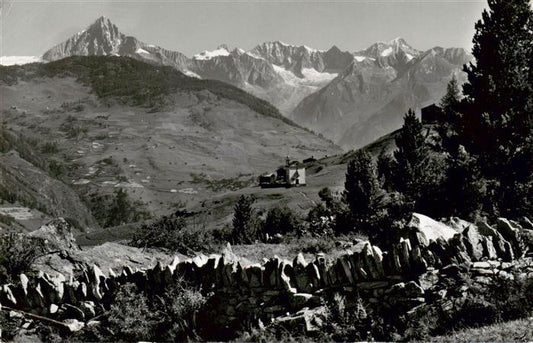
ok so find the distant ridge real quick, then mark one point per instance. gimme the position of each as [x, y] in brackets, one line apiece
[350, 97]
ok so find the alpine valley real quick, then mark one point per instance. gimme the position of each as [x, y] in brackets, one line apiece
[351, 98]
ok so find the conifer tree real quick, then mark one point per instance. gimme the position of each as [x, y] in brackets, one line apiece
[411, 157]
[362, 191]
[386, 165]
[464, 185]
[449, 125]
[244, 221]
[499, 86]
[498, 122]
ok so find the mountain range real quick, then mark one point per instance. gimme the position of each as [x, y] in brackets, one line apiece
[351, 98]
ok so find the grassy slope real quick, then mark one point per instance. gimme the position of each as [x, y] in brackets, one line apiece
[326, 172]
[176, 149]
[513, 331]
[111, 76]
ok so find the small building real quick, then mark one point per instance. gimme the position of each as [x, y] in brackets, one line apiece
[431, 114]
[292, 174]
[267, 179]
[295, 174]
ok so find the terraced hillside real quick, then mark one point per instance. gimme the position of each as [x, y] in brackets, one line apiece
[103, 124]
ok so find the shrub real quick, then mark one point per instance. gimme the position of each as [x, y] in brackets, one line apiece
[332, 215]
[281, 220]
[55, 168]
[171, 316]
[346, 325]
[171, 232]
[129, 317]
[50, 148]
[18, 252]
[116, 209]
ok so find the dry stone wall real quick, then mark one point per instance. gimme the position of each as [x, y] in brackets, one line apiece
[405, 276]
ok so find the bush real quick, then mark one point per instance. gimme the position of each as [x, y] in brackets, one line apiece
[281, 220]
[171, 316]
[116, 209]
[18, 252]
[49, 148]
[330, 216]
[346, 325]
[55, 169]
[171, 232]
[503, 299]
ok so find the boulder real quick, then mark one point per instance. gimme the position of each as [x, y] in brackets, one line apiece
[472, 239]
[96, 279]
[6, 296]
[497, 241]
[314, 278]
[378, 259]
[417, 261]
[53, 309]
[48, 290]
[36, 299]
[370, 264]
[431, 229]
[344, 265]
[442, 251]
[58, 234]
[285, 272]
[404, 250]
[298, 300]
[458, 224]
[418, 238]
[304, 321]
[73, 325]
[254, 274]
[405, 290]
[488, 248]
[413, 290]
[271, 273]
[511, 233]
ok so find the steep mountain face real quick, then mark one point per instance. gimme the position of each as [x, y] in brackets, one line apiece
[370, 97]
[290, 57]
[103, 38]
[280, 73]
[236, 67]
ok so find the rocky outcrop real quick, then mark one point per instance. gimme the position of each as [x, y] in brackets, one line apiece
[58, 235]
[409, 274]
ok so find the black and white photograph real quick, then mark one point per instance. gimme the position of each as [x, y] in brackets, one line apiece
[266, 171]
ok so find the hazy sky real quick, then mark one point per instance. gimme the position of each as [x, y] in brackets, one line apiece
[30, 27]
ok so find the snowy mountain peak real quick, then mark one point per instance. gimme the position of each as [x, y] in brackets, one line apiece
[223, 46]
[222, 50]
[394, 51]
[237, 52]
[398, 41]
[101, 38]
